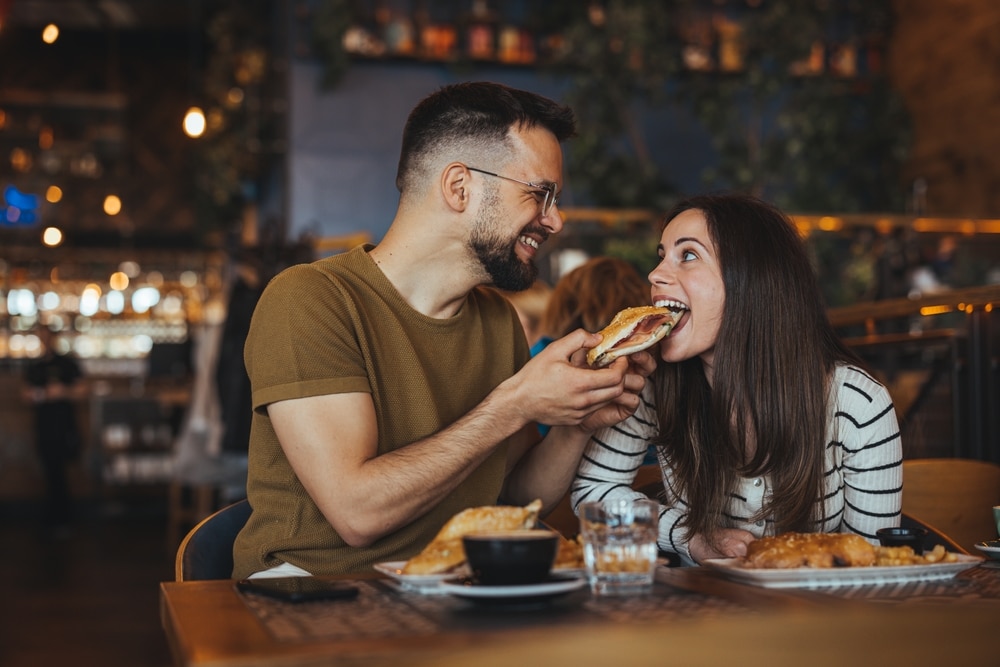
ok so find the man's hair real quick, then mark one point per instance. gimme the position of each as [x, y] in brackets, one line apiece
[463, 119]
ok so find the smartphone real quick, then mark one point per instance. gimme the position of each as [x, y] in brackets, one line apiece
[298, 589]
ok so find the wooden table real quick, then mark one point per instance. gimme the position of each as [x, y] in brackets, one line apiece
[694, 617]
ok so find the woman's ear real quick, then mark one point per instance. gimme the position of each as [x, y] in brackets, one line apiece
[455, 184]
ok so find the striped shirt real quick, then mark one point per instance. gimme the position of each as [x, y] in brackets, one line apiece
[862, 478]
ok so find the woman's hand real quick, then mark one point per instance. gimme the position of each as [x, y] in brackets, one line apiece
[729, 543]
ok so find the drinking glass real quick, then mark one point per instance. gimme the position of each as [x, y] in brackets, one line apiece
[619, 545]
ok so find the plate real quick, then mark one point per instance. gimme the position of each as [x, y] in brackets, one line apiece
[804, 577]
[556, 586]
[414, 582]
[427, 583]
[991, 548]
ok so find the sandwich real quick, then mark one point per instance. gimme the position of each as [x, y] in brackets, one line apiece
[633, 330]
[446, 552]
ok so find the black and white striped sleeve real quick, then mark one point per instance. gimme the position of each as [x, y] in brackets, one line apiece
[867, 432]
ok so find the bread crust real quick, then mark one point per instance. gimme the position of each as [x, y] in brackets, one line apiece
[819, 550]
[445, 552]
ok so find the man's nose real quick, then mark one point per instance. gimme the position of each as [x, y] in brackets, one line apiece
[553, 220]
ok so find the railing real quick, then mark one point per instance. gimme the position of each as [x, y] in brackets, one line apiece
[975, 356]
[983, 299]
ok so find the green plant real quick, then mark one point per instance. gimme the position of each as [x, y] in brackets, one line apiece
[810, 142]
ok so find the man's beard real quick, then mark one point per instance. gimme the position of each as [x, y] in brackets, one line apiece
[495, 253]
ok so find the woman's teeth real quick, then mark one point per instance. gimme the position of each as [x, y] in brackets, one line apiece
[671, 304]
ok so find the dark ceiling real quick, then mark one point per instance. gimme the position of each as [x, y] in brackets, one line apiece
[100, 14]
[109, 94]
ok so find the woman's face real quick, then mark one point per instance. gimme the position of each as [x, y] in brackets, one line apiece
[689, 276]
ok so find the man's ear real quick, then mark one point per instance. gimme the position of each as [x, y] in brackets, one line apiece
[455, 186]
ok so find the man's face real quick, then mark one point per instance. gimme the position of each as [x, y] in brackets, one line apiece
[509, 227]
[496, 247]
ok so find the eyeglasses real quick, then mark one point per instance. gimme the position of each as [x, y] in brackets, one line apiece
[549, 191]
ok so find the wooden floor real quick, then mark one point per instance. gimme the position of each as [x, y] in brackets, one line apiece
[87, 596]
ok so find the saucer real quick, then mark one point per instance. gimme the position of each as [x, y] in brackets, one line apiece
[421, 583]
[991, 548]
[466, 588]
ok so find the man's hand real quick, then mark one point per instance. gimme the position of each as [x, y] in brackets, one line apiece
[638, 367]
[557, 387]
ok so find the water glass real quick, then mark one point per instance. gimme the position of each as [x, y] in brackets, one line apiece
[619, 545]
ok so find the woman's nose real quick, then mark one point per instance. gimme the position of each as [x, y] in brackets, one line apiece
[659, 275]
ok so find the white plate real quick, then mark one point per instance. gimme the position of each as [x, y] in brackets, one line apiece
[423, 582]
[462, 587]
[806, 577]
[991, 548]
[428, 582]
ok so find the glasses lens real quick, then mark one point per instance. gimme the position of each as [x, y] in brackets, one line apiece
[550, 198]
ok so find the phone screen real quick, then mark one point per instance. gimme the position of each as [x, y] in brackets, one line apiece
[299, 589]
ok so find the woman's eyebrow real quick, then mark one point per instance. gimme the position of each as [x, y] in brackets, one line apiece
[688, 239]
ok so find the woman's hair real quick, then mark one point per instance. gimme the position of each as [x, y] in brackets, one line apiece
[766, 413]
[465, 121]
[589, 296]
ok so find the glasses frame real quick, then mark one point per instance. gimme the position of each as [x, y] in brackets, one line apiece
[551, 190]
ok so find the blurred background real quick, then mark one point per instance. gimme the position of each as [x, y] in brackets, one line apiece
[161, 159]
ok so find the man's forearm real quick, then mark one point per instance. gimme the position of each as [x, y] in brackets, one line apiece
[547, 469]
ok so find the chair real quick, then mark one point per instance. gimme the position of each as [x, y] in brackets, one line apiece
[207, 550]
[934, 536]
[955, 496]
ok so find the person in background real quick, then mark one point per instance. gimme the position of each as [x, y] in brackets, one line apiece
[764, 422]
[588, 297]
[52, 384]
[530, 305]
[392, 385]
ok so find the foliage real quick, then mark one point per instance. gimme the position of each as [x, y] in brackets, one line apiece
[618, 58]
[810, 141]
[238, 89]
[820, 142]
[329, 24]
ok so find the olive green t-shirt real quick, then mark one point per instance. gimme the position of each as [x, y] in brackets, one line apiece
[338, 325]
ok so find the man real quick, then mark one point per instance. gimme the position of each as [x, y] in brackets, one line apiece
[391, 389]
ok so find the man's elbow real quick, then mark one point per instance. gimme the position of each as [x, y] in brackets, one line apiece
[357, 533]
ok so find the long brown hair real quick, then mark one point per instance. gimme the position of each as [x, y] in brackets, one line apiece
[589, 296]
[773, 361]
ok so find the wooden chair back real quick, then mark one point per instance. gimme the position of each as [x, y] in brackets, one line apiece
[956, 496]
[206, 552]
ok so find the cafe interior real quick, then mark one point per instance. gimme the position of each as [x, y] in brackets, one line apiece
[161, 160]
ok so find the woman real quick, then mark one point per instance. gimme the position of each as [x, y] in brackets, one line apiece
[763, 421]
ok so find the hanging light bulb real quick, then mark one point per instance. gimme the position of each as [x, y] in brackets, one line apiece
[194, 122]
[52, 236]
[50, 33]
[112, 205]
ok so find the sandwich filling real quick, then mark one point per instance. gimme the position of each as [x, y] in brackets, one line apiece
[633, 330]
